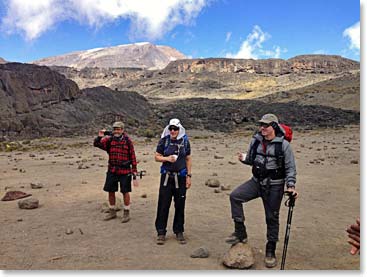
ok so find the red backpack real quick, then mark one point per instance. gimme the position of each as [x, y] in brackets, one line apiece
[288, 133]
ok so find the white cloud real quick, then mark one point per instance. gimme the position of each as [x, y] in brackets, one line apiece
[149, 19]
[353, 33]
[252, 47]
[228, 36]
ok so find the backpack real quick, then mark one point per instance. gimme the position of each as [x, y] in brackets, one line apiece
[288, 132]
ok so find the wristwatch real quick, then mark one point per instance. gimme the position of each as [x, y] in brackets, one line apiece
[189, 175]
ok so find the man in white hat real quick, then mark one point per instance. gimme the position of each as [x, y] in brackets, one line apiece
[174, 152]
[273, 166]
[122, 167]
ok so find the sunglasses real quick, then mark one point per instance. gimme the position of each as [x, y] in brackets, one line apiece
[173, 128]
[265, 125]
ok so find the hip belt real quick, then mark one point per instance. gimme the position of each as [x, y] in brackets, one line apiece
[171, 174]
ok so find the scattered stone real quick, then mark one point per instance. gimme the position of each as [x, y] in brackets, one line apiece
[22, 170]
[239, 256]
[14, 195]
[14, 168]
[232, 163]
[69, 231]
[217, 190]
[212, 183]
[218, 157]
[201, 252]
[354, 162]
[144, 195]
[225, 187]
[215, 174]
[36, 186]
[30, 203]
[42, 158]
[58, 184]
[84, 182]
[32, 155]
[20, 219]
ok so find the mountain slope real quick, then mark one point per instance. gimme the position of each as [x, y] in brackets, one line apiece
[138, 55]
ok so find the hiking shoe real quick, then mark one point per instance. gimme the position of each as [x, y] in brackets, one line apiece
[270, 258]
[234, 239]
[180, 238]
[239, 234]
[111, 215]
[161, 239]
[126, 216]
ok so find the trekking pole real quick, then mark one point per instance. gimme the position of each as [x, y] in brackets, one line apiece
[288, 203]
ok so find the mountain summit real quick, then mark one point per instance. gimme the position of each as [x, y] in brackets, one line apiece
[138, 55]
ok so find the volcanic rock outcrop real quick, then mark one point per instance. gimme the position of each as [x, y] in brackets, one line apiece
[36, 101]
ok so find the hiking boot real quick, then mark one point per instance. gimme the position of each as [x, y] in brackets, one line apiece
[239, 234]
[270, 259]
[126, 216]
[161, 239]
[180, 238]
[111, 215]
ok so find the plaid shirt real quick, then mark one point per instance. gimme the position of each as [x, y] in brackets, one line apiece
[120, 151]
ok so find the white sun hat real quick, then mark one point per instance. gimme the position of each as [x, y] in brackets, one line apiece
[174, 122]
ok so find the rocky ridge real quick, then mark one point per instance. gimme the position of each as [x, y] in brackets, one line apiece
[218, 78]
[37, 102]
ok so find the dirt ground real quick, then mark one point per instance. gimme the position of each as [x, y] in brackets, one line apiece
[328, 165]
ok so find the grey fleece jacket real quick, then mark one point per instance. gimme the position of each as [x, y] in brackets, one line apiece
[271, 161]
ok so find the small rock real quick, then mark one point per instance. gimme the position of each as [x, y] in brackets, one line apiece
[32, 155]
[225, 187]
[212, 183]
[84, 182]
[201, 252]
[20, 219]
[354, 162]
[69, 231]
[30, 203]
[232, 163]
[216, 156]
[36, 186]
[144, 195]
[217, 190]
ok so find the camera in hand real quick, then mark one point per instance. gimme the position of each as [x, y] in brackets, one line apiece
[107, 133]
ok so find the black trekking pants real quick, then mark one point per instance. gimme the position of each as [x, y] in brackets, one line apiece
[271, 197]
[164, 203]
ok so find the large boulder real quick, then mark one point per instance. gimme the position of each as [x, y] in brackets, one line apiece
[240, 256]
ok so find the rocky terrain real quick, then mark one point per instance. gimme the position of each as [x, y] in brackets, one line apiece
[49, 117]
[37, 102]
[218, 78]
[137, 55]
[66, 231]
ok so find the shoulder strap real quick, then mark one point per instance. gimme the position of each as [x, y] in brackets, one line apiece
[166, 142]
[254, 150]
[279, 153]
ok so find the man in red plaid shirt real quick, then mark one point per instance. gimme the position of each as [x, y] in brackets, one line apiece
[121, 167]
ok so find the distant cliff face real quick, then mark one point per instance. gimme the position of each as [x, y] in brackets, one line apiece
[323, 64]
[138, 55]
[217, 78]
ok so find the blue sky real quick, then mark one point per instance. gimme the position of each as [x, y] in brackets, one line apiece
[35, 29]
